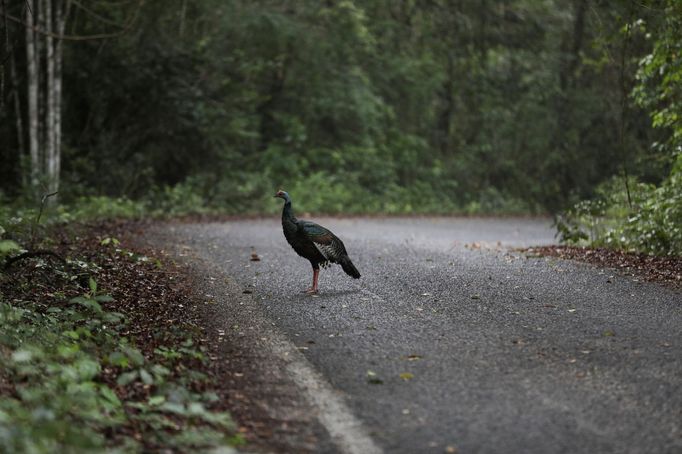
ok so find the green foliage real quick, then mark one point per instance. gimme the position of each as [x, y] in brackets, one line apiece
[359, 106]
[653, 222]
[356, 105]
[652, 226]
[100, 207]
[7, 247]
[660, 76]
[54, 358]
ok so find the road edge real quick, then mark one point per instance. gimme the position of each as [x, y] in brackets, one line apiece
[346, 432]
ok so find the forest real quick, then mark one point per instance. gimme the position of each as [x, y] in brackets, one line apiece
[510, 106]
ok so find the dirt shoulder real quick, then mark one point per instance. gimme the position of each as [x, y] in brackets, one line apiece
[665, 270]
[121, 357]
[251, 380]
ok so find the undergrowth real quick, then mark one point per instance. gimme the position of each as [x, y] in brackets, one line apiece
[88, 368]
[650, 222]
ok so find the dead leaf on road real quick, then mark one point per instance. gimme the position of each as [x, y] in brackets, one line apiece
[373, 378]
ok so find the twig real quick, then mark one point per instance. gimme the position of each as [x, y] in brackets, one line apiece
[33, 254]
[39, 30]
[43, 199]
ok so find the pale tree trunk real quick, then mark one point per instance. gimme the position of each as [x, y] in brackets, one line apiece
[42, 105]
[32, 83]
[44, 85]
[61, 13]
[50, 149]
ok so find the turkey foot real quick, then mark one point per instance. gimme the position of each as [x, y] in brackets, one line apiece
[313, 290]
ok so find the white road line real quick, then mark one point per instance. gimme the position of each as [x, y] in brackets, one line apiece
[347, 432]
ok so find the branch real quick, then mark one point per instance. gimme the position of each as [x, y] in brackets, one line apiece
[96, 15]
[40, 213]
[40, 31]
[33, 254]
[42, 204]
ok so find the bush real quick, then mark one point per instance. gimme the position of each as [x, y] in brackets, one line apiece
[653, 225]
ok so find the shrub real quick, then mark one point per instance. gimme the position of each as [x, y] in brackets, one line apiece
[653, 224]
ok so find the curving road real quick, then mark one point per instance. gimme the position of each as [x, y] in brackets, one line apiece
[472, 347]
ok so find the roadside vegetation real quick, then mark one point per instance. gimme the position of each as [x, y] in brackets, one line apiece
[352, 106]
[630, 213]
[100, 347]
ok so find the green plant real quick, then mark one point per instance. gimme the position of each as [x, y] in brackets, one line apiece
[67, 363]
[653, 225]
[7, 247]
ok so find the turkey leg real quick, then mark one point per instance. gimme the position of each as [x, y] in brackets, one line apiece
[313, 290]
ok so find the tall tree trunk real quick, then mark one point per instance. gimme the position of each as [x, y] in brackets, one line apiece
[569, 62]
[625, 89]
[183, 14]
[50, 151]
[20, 124]
[32, 83]
[42, 105]
[5, 32]
[61, 13]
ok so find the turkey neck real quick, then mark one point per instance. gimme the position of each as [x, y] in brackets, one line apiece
[288, 219]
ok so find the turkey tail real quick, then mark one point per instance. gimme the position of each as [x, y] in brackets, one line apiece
[349, 268]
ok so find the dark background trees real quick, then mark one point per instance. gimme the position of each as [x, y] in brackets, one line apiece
[362, 106]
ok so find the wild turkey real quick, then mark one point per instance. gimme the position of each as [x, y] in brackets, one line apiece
[314, 242]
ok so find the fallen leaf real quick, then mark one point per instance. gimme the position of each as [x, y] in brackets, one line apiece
[609, 333]
[373, 378]
[406, 376]
[413, 357]
[475, 296]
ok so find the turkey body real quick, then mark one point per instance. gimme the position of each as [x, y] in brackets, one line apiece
[314, 242]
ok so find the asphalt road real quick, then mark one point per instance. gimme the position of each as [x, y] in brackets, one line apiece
[477, 348]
